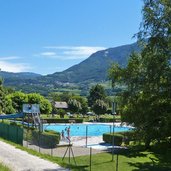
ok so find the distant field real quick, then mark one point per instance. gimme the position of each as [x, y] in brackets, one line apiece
[61, 90]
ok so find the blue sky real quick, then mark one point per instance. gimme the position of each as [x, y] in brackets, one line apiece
[46, 36]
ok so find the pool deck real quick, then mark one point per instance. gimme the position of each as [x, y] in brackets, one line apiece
[80, 145]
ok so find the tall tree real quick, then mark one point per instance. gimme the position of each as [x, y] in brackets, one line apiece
[74, 105]
[45, 105]
[83, 103]
[97, 92]
[147, 101]
[2, 96]
[18, 99]
[99, 107]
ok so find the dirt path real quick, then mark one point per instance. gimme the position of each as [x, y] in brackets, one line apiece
[19, 160]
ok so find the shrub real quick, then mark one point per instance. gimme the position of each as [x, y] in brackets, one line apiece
[128, 136]
[106, 119]
[108, 138]
[64, 120]
[61, 112]
[47, 139]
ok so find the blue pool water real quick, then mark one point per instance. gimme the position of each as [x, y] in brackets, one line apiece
[80, 129]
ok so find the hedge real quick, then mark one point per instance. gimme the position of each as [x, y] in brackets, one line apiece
[63, 120]
[129, 136]
[108, 138]
[47, 139]
[125, 137]
[106, 119]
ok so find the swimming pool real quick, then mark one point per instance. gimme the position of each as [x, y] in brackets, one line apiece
[80, 129]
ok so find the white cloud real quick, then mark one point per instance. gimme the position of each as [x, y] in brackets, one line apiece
[48, 54]
[7, 58]
[14, 67]
[71, 52]
[6, 64]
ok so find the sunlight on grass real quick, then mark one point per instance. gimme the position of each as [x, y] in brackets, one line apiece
[134, 159]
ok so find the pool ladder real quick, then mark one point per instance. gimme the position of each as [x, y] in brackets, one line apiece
[37, 120]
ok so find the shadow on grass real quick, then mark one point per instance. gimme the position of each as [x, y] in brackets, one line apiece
[148, 166]
[159, 157]
[78, 167]
[131, 152]
[85, 167]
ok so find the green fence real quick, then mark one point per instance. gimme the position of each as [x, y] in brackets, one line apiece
[12, 133]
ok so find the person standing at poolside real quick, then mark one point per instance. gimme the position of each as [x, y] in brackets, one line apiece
[68, 133]
[62, 135]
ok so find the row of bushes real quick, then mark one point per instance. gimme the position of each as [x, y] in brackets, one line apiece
[63, 120]
[107, 120]
[119, 137]
[108, 138]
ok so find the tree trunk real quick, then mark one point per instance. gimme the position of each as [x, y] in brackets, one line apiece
[147, 143]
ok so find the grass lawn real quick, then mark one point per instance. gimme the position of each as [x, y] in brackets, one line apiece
[3, 168]
[134, 159]
[130, 160]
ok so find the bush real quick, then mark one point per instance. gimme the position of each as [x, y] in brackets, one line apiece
[47, 139]
[129, 135]
[108, 138]
[106, 119]
[63, 120]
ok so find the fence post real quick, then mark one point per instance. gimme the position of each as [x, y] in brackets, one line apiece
[27, 137]
[90, 157]
[39, 142]
[117, 162]
[51, 149]
[7, 136]
[113, 144]
[86, 134]
[17, 135]
[69, 152]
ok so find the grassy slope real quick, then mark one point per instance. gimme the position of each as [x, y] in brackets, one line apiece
[130, 160]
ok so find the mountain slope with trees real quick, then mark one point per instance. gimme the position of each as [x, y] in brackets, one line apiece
[96, 66]
[92, 70]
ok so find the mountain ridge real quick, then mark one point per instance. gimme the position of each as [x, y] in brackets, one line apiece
[96, 64]
[92, 70]
[26, 75]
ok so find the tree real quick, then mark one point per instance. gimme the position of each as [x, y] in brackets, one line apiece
[97, 92]
[18, 99]
[83, 103]
[45, 105]
[147, 101]
[99, 107]
[61, 112]
[156, 57]
[8, 106]
[65, 96]
[54, 96]
[74, 105]
[2, 97]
